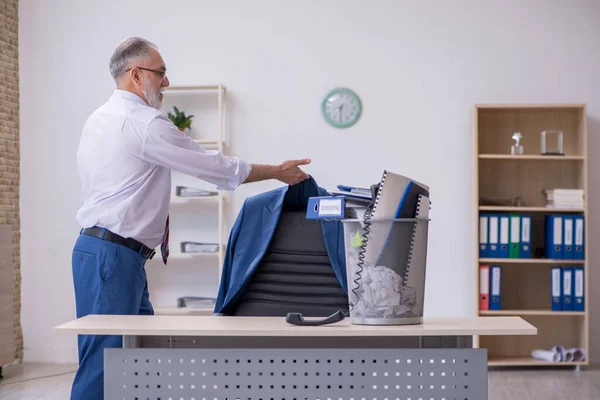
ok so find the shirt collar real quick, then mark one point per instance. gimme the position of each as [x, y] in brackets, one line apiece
[129, 96]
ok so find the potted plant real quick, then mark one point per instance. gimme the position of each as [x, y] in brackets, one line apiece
[180, 120]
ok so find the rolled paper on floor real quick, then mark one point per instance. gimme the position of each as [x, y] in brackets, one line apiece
[560, 350]
[545, 355]
[577, 353]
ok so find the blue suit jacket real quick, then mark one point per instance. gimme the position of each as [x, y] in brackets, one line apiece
[252, 232]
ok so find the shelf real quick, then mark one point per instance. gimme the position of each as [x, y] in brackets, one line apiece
[183, 311]
[192, 87]
[195, 199]
[533, 312]
[184, 256]
[527, 361]
[529, 157]
[531, 209]
[189, 256]
[207, 143]
[528, 261]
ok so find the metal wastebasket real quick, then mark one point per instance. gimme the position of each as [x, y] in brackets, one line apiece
[386, 264]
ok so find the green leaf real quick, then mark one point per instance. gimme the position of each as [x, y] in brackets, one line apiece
[180, 119]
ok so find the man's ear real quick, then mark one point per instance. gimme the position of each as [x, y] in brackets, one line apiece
[135, 76]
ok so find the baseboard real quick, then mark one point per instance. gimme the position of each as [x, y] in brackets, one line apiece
[51, 356]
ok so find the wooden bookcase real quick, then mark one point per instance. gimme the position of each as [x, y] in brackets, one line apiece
[497, 174]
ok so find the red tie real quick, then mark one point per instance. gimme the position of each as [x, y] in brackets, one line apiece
[164, 247]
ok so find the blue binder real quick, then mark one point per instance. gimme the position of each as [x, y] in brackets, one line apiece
[495, 287]
[554, 237]
[484, 234]
[579, 238]
[504, 232]
[568, 237]
[525, 250]
[357, 190]
[493, 236]
[579, 289]
[325, 207]
[556, 289]
[567, 289]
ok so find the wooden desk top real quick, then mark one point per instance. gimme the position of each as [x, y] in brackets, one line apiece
[216, 326]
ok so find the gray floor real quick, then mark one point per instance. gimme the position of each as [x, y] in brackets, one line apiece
[53, 382]
[37, 381]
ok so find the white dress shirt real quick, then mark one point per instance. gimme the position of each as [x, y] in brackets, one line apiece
[125, 157]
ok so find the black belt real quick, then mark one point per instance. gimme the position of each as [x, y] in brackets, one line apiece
[133, 244]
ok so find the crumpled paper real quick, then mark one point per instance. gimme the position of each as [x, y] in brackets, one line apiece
[382, 295]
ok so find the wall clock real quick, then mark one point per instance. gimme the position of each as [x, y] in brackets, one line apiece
[341, 108]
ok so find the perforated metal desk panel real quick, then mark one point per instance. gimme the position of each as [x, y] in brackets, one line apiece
[252, 358]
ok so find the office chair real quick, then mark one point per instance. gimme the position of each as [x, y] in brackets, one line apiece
[295, 275]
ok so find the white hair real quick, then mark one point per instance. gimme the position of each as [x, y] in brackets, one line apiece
[130, 49]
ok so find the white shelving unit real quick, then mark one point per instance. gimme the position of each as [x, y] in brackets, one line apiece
[192, 205]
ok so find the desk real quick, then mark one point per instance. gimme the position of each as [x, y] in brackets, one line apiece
[250, 358]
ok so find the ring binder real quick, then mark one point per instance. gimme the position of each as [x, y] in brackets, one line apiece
[378, 196]
[397, 198]
[421, 212]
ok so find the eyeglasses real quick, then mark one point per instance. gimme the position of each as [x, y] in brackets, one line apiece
[161, 74]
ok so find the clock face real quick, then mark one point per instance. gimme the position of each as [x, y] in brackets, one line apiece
[341, 108]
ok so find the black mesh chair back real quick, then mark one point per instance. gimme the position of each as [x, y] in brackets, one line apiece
[295, 274]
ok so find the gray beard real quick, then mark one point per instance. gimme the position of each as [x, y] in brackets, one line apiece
[152, 96]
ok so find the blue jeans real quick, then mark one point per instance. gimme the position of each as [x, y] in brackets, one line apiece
[109, 279]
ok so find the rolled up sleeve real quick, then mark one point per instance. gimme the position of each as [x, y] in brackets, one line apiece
[164, 145]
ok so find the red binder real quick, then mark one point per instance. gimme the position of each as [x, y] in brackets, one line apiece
[484, 287]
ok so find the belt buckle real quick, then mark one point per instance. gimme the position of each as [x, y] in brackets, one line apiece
[152, 253]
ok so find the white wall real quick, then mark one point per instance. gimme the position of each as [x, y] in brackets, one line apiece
[419, 69]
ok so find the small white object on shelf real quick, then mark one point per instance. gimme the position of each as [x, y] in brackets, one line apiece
[565, 198]
[546, 355]
[184, 191]
[194, 247]
[558, 150]
[559, 354]
[576, 354]
[196, 302]
[516, 148]
[187, 195]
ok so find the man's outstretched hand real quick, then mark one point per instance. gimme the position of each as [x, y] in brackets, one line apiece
[287, 172]
[291, 173]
